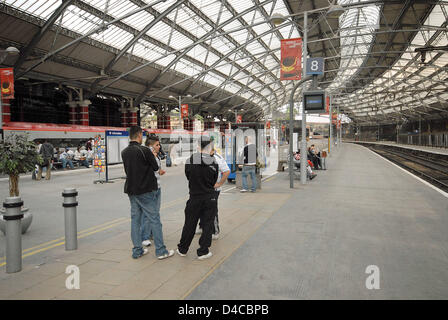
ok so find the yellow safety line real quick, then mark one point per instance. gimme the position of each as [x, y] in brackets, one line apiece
[62, 238]
[87, 232]
[63, 242]
[83, 233]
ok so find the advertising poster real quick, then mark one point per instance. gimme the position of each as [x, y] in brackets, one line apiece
[99, 160]
[184, 110]
[7, 83]
[291, 59]
[239, 118]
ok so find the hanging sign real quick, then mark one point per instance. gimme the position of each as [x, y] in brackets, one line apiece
[239, 118]
[291, 59]
[7, 83]
[183, 110]
[315, 66]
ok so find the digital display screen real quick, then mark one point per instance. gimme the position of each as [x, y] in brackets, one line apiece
[314, 102]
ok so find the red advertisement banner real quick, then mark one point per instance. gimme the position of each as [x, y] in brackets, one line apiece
[239, 118]
[291, 59]
[184, 110]
[7, 83]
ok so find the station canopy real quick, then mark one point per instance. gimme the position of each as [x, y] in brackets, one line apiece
[385, 61]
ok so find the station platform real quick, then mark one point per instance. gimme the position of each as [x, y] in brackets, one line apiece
[311, 242]
[436, 150]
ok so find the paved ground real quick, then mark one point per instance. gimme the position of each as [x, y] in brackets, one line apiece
[362, 211]
[313, 241]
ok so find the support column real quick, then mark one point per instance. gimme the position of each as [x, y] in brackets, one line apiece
[188, 124]
[124, 115]
[132, 116]
[84, 106]
[72, 112]
[223, 126]
[6, 111]
[208, 125]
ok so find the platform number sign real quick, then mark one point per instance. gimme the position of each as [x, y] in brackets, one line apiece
[315, 66]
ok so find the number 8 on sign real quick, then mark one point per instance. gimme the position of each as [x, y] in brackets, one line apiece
[315, 66]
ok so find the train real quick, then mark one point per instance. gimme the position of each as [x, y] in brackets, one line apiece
[177, 143]
[72, 136]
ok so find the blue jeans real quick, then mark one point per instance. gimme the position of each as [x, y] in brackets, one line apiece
[249, 170]
[65, 162]
[146, 229]
[146, 204]
[84, 163]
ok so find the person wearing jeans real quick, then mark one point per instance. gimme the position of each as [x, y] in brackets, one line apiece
[153, 143]
[249, 170]
[141, 186]
[146, 205]
[249, 160]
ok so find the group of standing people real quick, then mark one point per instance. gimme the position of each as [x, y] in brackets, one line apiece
[206, 171]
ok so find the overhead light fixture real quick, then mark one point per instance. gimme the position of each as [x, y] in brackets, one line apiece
[171, 97]
[335, 11]
[12, 50]
[277, 19]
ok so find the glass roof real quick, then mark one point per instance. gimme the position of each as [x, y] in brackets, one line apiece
[409, 84]
[215, 46]
[231, 45]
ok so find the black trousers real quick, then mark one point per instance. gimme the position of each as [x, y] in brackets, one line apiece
[196, 209]
[215, 220]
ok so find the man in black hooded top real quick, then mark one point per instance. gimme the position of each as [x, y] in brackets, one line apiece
[201, 171]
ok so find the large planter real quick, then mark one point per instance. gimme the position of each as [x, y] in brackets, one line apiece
[26, 220]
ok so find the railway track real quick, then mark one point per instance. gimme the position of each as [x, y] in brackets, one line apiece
[431, 168]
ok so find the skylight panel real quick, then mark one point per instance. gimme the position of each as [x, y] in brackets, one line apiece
[186, 68]
[79, 21]
[162, 6]
[139, 20]
[240, 6]
[161, 31]
[179, 41]
[121, 8]
[114, 37]
[188, 20]
[210, 8]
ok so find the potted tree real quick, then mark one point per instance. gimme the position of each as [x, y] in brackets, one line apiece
[18, 155]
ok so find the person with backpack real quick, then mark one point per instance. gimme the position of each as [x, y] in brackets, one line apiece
[47, 152]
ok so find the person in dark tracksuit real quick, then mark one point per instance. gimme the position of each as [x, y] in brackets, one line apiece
[201, 171]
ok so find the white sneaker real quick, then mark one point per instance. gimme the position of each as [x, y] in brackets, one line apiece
[181, 254]
[243, 190]
[146, 243]
[166, 255]
[215, 236]
[205, 256]
[145, 251]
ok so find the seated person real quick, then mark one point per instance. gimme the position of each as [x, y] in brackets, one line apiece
[90, 156]
[316, 152]
[66, 159]
[313, 157]
[81, 157]
[309, 166]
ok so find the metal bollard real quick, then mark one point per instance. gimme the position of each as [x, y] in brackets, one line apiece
[13, 232]
[71, 229]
